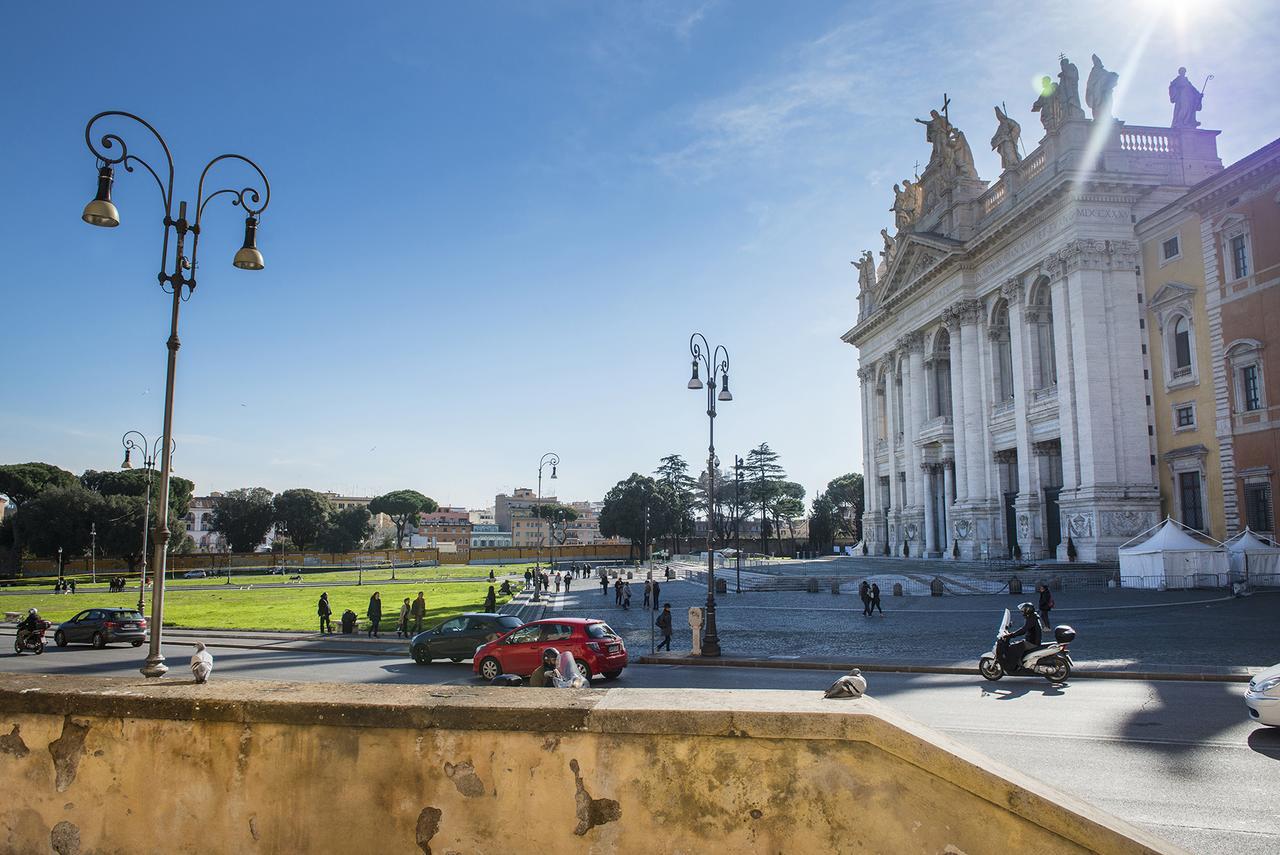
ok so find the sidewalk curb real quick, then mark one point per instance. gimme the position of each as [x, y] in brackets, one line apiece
[908, 668]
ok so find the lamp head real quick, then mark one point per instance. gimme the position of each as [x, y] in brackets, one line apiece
[694, 381]
[101, 212]
[553, 471]
[725, 395]
[248, 257]
[126, 464]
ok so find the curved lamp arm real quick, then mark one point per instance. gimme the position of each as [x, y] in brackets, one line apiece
[248, 198]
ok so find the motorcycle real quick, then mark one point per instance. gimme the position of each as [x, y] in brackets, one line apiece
[1051, 661]
[33, 640]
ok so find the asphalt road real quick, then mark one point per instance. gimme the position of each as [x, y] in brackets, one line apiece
[1180, 758]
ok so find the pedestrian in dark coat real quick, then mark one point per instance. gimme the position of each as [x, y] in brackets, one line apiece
[402, 625]
[648, 592]
[664, 624]
[324, 611]
[491, 600]
[656, 589]
[374, 613]
[875, 599]
[864, 594]
[1046, 604]
[604, 585]
[617, 592]
[418, 611]
[626, 595]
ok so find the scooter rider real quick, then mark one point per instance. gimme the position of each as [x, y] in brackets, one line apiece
[1015, 650]
[29, 624]
[541, 677]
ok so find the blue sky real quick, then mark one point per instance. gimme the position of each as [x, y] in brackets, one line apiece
[493, 228]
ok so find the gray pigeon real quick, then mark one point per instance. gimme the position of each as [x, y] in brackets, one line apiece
[851, 685]
[202, 663]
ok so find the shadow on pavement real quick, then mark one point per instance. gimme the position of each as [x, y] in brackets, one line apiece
[1266, 741]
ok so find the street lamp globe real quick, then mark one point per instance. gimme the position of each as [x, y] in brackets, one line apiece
[126, 464]
[725, 395]
[694, 382]
[101, 211]
[248, 257]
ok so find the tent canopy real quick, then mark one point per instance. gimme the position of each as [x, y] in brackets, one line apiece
[1168, 538]
[1247, 541]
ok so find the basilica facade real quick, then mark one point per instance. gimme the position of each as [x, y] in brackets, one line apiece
[1002, 340]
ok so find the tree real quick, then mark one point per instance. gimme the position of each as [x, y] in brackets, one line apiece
[133, 482]
[22, 483]
[243, 517]
[823, 521]
[554, 513]
[629, 503]
[673, 472]
[785, 506]
[846, 495]
[120, 520]
[402, 506]
[304, 514]
[60, 517]
[763, 475]
[347, 529]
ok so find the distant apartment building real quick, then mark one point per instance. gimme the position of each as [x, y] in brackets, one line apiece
[488, 535]
[521, 500]
[341, 503]
[528, 530]
[483, 516]
[448, 529]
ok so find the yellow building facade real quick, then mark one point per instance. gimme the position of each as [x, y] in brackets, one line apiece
[1180, 367]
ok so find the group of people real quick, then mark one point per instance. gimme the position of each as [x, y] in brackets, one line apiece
[116, 584]
[870, 596]
[64, 586]
[412, 614]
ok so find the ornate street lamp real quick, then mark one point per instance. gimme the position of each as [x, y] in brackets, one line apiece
[181, 283]
[553, 460]
[716, 365]
[148, 451]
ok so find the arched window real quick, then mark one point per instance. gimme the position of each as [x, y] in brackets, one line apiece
[1040, 316]
[941, 402]
[1002, 361]
[1180, 347]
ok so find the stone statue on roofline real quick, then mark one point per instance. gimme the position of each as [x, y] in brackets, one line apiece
[937, 130]
[1047, 105]
[1098, 90]
[906, 204]
[962, 155]
[1005, 141]
[1069, 89]
[1187, 100]
[890, 250]
[866, 272]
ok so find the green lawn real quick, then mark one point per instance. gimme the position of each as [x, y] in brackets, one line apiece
[256, 577]
[266, 608]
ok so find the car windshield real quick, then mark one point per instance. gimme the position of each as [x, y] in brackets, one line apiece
[509, 622]
[600, 630]
[126, 615]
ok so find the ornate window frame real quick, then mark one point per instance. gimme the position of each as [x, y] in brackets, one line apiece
[1181, 461]
[1174, 301]
[1195, 417]
[1231, 227]
[1164, 239]
[1241, 354]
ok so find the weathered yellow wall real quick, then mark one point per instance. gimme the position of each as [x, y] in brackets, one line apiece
[119, 765]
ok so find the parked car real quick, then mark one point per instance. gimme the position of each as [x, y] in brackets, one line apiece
[458, 638]
[101, 627]
[195, 574]
[594, 645]
[1263, 697]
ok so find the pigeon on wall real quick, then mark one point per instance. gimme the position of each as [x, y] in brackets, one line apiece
[202, 663]
[851, 685]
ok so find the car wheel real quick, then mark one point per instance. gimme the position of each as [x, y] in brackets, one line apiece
[584, 671]
[988, 667]
[421, 654]
[60, 638]
[613, 675]
[137, 644]
[490, 668]
[99, 641]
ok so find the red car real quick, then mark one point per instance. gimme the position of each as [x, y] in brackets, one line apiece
[596, 648]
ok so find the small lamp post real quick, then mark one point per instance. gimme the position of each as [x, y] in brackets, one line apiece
[553, 460]
[131, 443]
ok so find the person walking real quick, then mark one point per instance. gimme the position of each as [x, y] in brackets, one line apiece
[864, 594]
[604, 584]
[557, 581]
[323, 610]
[566, 582]
[419, 612]
[617, 592]
[491, 601]
[402, 625]
[626, 595]
[875, 600]
[664, 624]
[648, 592]
[1046, 604]
[656, 589]
[374, 613]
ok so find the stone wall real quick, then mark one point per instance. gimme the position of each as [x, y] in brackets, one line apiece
[106, 765]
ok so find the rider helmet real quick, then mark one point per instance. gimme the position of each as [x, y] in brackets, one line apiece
[33, 611]
[550, 657]
[1027, 609]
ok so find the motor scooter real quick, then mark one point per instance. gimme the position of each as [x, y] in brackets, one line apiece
[1051, 661]
[33, 640]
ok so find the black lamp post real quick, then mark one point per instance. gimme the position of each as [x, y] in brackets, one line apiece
[149, 451]
[553, 460]
[738, 464]
[181, 283]
[716, 364]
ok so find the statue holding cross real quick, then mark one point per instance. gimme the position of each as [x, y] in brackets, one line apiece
[937, 130]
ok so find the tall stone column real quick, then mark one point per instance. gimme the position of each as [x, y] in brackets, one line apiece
[1062, 353]
[948, 489]
[1027, 508]
[952, 321]
[916, 418]
[870, 475]
[891, 393]
[930, 537]
[970, 312]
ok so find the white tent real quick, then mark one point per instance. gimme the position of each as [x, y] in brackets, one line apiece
[1171, 558]
[1249, 556]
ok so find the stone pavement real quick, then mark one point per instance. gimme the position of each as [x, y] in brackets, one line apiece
[1148, 631]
